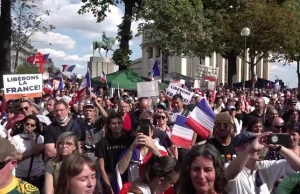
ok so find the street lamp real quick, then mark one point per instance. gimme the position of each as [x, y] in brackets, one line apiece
[245, 33]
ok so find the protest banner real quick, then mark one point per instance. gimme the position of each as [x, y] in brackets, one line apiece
[147, 89]
[197, 84]
[20, 85]
[55, 84]
[175, 89]
[206, 74]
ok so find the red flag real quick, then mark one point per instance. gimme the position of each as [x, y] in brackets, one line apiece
[31, 59]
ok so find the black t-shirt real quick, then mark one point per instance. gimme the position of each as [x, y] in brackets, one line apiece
[110, 150]
[224, 150]
[252, 116]
[54, 130]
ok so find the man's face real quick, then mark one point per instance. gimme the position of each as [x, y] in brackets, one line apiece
[89, 113]
[273, 114]
[223, 129]
[177, 104]
[61, 112]
[144, 105]
[26, 108]
[50, 105]
[277, 126]
[123, 108]
[259, 104]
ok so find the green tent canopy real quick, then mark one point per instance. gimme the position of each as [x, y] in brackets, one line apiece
[125, 79]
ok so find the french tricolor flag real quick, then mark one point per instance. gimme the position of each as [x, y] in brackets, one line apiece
[85, 85]
[182, 135]
[103, 77]
[48, 88]
[202, 119]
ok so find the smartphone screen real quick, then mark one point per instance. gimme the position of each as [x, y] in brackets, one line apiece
[145, 129]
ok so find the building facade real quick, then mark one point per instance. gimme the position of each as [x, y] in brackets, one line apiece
[26, 51]
[188, 65]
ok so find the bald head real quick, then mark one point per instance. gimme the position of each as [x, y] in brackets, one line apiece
[144, 105]
[277, 125]
[259, 104]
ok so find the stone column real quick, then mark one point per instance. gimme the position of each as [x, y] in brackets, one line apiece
[183, 66]
[221, 63]
[226, 71]
[238, 69]
[145, 61]
[246, 68]
[207, 61]
[266, 69]
[213, 59]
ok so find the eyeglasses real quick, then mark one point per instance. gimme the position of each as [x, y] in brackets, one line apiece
[26, 108]
[3, 164]
[160, 117]
[68, 144]
[29, 125]
[10, 112]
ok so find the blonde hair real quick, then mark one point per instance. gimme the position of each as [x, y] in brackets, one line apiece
[65, 136]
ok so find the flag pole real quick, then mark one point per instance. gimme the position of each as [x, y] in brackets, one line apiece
[90, 80]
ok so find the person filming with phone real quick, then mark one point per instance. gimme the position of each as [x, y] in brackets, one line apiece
[247, 174]
[140, 151]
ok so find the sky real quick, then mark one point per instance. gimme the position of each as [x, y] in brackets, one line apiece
[71, 42]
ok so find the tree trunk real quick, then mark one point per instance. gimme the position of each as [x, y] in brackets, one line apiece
[121, 55]
[298, 74]
[5, 39]
[231, 57]
[16, 60]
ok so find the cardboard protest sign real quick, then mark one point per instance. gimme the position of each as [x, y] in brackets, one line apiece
[207, 74]
[147, 89]
[174, 89]
[20, 85]
[55, 84]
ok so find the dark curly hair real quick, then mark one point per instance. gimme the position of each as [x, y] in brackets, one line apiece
[208, 151]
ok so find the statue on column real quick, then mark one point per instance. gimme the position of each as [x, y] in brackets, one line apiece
[107, 43]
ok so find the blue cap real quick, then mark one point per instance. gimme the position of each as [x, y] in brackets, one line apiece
[242, 137]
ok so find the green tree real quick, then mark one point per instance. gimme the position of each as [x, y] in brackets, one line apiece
[99, 9]
[27, 69]
[5, 38]
[269, 23]
[26, 21]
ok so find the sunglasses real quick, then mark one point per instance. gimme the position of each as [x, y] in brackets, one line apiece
[68, 144]
[24, 108]
[160, 117]
[29, 125]
[3, 164]
[278, 126]
[10, 112]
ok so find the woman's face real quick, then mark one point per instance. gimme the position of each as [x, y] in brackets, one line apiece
[10, 114]
[161, 119]
[257, 128]
[203, 175]
[84, 183]
[66, 146]
[294, 137]
[29, 125]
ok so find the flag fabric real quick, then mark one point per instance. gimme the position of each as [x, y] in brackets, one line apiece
[61, 83]
[85, 85]
[31, 59]
[45, 57]
[202, 119]
[68, 68]
[155, 70]
[74, 77]
[277, 85]
[269, 85]
[182, 135]
[48, 88]
[103, 77]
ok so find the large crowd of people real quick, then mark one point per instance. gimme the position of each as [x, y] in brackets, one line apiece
[59, 144]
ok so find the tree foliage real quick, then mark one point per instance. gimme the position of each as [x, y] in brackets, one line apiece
[100, 8]
[179, 26]
[26, 21]
[27, 69]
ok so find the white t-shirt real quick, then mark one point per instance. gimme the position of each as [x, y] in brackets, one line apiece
[24, 146]
[269, 172]
[145, 189]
